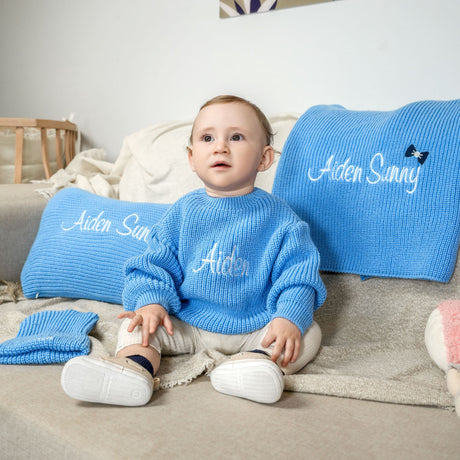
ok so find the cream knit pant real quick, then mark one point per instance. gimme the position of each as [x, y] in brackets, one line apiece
[188, 339]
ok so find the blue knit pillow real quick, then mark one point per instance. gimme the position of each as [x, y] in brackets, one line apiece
[82, 244]
[380, 190]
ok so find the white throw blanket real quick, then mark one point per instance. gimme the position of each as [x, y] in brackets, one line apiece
[89, 171]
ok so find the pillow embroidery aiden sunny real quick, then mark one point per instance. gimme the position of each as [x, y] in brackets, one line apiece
[380, 190]
[82, 244]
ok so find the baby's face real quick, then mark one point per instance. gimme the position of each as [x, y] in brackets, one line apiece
[228, 149]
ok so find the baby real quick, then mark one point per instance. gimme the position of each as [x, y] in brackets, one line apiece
[229, 267]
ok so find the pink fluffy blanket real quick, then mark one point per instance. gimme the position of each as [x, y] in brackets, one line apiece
[450, 312]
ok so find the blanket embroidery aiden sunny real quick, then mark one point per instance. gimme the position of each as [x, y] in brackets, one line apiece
[380, 190]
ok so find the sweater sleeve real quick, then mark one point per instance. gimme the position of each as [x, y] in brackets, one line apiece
[297, 289]
[154, 276]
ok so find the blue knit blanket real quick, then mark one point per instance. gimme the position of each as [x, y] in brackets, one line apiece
[380, 190]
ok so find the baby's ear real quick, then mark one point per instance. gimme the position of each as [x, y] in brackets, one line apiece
[190, 158]
[268, 156]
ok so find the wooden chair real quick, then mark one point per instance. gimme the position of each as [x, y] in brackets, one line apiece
[70, 138]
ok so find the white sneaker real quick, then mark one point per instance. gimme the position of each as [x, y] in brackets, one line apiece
[251, 376]
[118, 381]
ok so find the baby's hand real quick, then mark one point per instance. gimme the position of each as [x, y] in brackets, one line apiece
[149, 317]
[286, 336]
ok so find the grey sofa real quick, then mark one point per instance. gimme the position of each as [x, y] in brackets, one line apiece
[330, 412]
[371, 392]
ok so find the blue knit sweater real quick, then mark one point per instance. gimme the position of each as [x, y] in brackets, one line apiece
[228, 265]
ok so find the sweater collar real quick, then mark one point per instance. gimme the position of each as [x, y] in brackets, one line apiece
[231, 202]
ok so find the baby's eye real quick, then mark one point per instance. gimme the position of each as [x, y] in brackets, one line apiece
[237, 137]
[207, 138]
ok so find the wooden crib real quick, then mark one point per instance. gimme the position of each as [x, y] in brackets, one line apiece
[70, 136]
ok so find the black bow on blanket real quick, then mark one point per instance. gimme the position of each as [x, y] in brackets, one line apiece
[413, 152]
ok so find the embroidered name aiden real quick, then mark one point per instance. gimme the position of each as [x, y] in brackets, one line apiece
[100, 224]
[378, 173]
[220, 264]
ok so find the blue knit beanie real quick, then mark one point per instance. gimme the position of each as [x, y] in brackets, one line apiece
[49, 337]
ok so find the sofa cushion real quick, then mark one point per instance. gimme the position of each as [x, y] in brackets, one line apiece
[21, 208]
[381, 190]
[82, 244]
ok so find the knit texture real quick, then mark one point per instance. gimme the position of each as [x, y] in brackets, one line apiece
[228, 265]
[49, 337]
[82, 244]
[380, 190]
[450, 314]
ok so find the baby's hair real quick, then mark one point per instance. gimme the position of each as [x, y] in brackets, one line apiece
[227, 99]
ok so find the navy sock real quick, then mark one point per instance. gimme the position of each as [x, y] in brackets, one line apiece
[261, 352]
[144, 362]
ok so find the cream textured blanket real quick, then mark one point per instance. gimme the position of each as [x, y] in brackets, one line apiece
[373, 340]
[90, 171]
[174, 370]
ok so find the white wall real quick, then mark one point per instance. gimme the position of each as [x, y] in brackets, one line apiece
[121, 65]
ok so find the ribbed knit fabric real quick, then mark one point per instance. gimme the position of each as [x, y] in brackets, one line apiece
[49, 337]
[380, 190]
[144, 362]
[82, 244]
[228, 265]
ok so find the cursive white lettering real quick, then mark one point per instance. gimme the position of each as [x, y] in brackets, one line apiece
[130, 228]
[378, 172]
[229, 265]
[340, 172]
[392, 173]
[88, 223]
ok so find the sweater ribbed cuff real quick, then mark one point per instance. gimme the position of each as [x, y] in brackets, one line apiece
[297, 305]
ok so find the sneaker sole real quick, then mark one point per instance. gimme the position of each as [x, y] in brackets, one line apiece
[93, 380]
[257, 380]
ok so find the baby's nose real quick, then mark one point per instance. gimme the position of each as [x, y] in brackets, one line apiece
[221, 145]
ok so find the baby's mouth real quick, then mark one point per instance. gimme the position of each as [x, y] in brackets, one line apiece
[220, 165]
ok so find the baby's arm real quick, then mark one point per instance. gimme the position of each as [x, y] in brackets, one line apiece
[287, 337]
[296, 293]
[149, 317]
